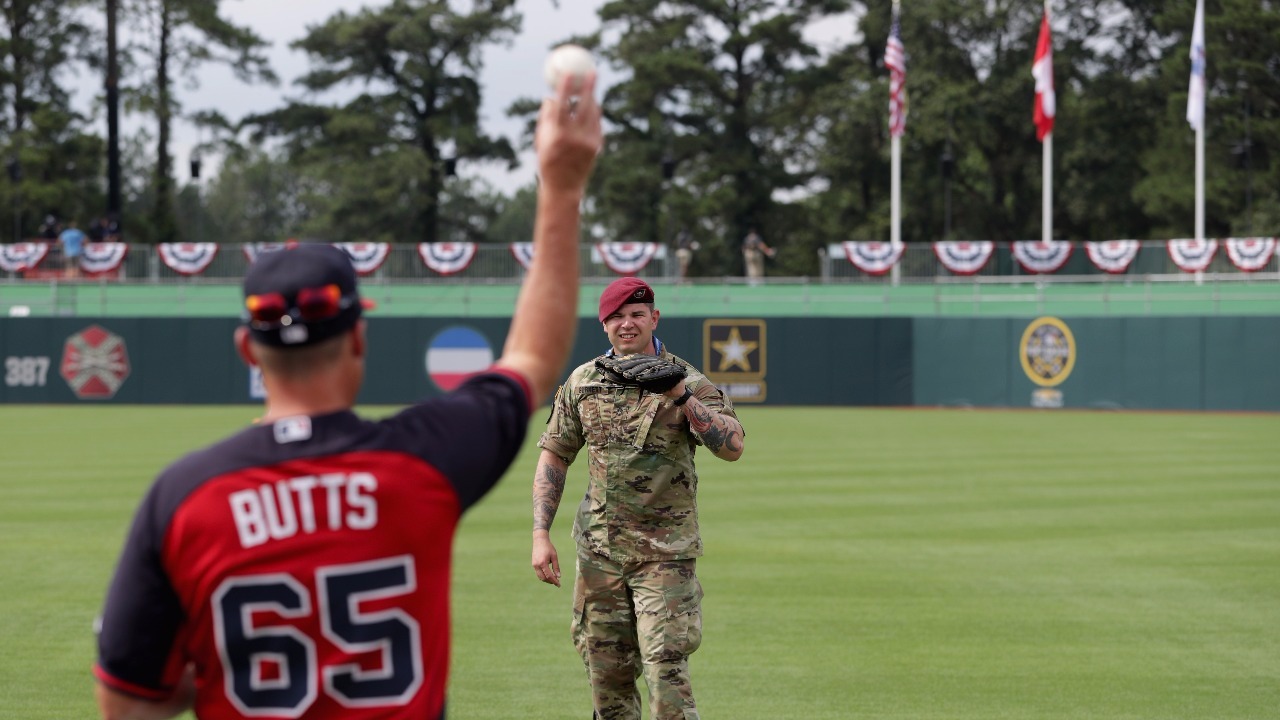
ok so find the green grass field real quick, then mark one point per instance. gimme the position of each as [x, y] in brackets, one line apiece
[879, 564]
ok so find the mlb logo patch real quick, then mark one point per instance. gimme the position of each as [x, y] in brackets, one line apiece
[292, 429]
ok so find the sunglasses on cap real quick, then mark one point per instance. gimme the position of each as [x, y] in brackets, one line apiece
[271, 310]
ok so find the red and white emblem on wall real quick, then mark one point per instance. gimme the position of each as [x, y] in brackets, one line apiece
[95, 363]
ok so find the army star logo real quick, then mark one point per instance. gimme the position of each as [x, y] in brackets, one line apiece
[734, 355]
[734, 351]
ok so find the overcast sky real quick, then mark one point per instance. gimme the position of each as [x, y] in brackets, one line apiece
[509, 72]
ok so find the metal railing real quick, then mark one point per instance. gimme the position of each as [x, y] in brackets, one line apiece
[495, 263]
[919, 263]
[403, 284]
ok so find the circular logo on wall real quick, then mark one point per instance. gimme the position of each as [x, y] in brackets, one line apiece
[455, 354]
[1047, 351]
[95, 363]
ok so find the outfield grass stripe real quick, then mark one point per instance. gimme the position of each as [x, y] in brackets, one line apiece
[877, 564]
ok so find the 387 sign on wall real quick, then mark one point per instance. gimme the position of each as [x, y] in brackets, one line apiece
[26, 370]
[95, 360]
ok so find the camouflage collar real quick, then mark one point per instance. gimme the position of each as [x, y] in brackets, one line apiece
[658, 348]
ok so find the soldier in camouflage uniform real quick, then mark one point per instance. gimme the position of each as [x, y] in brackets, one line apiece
[637, 600]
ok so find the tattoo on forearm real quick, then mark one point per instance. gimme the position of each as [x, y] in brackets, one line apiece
[548, 487]
[717, 431]
[700, 416]
[733, 441]
[713, 438]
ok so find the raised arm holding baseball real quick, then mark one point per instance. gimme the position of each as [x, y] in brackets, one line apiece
[567, 140]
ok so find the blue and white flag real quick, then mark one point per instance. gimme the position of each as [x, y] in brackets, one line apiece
[1195, 95]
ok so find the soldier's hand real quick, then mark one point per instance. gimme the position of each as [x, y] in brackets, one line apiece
[546, 564]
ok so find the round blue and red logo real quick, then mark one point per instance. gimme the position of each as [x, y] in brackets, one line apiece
[455, 354]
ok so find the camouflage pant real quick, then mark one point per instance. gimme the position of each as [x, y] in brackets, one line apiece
[637, 618]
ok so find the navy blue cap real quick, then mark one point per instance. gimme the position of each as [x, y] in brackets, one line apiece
[301, 295]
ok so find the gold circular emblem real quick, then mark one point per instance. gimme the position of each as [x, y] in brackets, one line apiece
[1047, 351]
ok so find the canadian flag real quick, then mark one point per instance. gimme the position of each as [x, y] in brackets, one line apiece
[1042, 71]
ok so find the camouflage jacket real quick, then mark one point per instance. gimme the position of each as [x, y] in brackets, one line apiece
[641, 503]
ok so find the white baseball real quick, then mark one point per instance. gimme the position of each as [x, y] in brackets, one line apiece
[573, 60]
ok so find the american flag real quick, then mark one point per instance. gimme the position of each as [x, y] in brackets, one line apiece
[895, 58]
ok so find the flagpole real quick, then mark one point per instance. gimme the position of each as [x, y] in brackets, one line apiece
[1046, 205]
[1196, 92]
[1200, 183]
[1195, 109]
[1046, 201]
[895, 192]
[895, 206]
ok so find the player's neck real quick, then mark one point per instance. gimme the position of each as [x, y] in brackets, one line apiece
[314, 395]
[283, 409]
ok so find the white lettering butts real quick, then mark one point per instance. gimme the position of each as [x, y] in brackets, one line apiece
[284, 508]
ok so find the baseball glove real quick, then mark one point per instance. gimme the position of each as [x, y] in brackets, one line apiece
[649, 372]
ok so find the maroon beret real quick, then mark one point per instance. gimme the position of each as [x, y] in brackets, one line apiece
[621, 292]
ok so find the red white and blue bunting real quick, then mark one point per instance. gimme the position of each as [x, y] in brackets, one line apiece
[964, 258]
[626, 258]
[367, 257]
[447, 258]
[523, 252]
[1251, 254]
[22, 256]
[188, 258]
[253, 250]
[1192, 255]
[1040, 257]
[1113, 256]
[873, 258]
[99, 258]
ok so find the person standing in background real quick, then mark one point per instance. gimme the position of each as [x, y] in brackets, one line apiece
[104, 230]
[685, 247]
[754, 251]
[72, 241]
[49, 228]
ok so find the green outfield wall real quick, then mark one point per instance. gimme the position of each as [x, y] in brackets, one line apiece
[1196, 363]
[1184, 363]
[1110, 297]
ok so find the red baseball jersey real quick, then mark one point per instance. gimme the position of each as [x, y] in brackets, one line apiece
[303, 566]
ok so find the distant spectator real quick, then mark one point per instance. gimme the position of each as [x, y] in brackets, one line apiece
[98, 230]
[72, 240]
[49, 228]
[754, 251]
[685, 246]
[106, 229]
